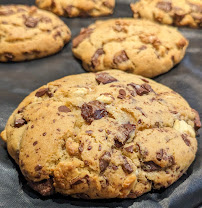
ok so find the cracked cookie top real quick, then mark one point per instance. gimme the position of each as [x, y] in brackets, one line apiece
[137, 46]
[28, 33]
[104, 135]
[75, 8]
[171, 12]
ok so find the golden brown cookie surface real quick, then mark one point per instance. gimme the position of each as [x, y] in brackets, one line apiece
[28, 33]
[171, 12]
[105, 135]
[75, 8]
[137, 46]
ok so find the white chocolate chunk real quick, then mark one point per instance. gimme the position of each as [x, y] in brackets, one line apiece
[183, 127]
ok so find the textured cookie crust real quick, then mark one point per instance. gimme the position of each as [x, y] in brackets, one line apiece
[171, 12]
[28, 33]
[137, 46]
[105, 135]
[74, 8]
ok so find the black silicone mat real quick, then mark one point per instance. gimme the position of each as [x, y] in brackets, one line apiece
[17, 80]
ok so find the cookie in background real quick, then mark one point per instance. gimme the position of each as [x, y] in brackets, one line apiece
[28, 33]
[75, 8]
[171, 12]
[136, 46]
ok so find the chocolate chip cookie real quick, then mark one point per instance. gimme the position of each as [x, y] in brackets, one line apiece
[171, 12]
[74, 8]
[104, 135]
[28, 33]
[137, 46]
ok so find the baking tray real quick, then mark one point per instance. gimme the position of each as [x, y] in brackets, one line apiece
[17, 80]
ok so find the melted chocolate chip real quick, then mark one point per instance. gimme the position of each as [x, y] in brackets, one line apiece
[93, 110]
[120, 57]
[64, 109]
[85, 33]
[19, 122]
[150, 166]
[35, 143]
[165, 6]
[104, 161]
[95, 58]
[105, 78]
[31, 22]
[122, 94]
[100, 147]
[186, 140]
[45, 187]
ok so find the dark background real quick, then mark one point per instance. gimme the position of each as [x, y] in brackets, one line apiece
[17, 80]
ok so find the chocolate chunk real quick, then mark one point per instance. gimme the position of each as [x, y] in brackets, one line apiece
[143, 47]
[93, 110]
[85, 33]
[126, 166]
[31, 22]
[104, 161]
[129, 149]
[64, 109]
[68, 10]
[81, 147]
[35, 143]
[120, 57]
[21, 110]
[181, 43]
[125, 131]
[44, 134]
[165, 6]
[141, 89]
[197, 122]
[89, 132]
[95, 58]
[150, 166]
[186, 140]
[45, 187]
[89, 147]
[38, 167]
[105, 78]
[41, 92]
[171, 160]
[161, 155]
[57, 34]
[144, 80]
[122, 94]
[19, 122]
[9, 56]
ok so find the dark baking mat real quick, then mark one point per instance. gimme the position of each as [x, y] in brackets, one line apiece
[17, 80]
